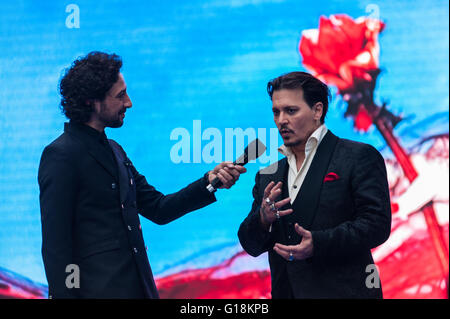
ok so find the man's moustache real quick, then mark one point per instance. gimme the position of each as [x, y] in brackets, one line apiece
[285, 129]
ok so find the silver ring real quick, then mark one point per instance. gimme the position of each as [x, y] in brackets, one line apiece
[291, 257]
[272, 207]
[268, 200]
[277, 214]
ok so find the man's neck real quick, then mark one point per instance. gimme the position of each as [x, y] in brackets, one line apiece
[298, 150]
[96, 125]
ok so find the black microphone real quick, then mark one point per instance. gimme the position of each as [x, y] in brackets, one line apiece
[253, 150]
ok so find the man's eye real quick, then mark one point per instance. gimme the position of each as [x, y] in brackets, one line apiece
[291, 111]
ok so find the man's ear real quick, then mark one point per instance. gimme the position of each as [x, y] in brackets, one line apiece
[318, 110]
[95, 104]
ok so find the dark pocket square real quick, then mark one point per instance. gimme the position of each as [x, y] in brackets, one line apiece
[331, 177]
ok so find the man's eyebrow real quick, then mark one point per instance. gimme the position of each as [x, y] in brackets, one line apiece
[286, 107]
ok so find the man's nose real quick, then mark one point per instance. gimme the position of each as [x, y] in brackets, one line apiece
[282, 118]
[128, 102]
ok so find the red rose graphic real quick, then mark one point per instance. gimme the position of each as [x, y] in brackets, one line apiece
[342, 50]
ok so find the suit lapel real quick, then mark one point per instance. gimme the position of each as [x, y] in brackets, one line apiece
[279, 175]
[123, 173]
[78, 131]
[100, 156]
[307, 200]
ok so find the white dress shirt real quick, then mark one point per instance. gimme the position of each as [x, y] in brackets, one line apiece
[296, 177]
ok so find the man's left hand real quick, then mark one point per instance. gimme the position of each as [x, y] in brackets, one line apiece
[227, 172]
[297, 252]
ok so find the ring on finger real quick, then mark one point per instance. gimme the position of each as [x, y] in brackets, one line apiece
[272, 207]
[267, 200]
[291, 256]
[277, 214]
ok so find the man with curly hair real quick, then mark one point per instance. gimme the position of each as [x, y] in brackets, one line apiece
[91, 194]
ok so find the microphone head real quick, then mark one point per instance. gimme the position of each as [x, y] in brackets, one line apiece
[253, 150]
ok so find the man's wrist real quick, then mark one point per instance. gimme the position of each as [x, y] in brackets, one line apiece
[206, 176]
[209, 187]
[266, 225]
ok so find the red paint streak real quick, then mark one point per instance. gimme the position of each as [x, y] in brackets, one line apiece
[201, 283]
[419, 277]
[413, 270]
[363, 120]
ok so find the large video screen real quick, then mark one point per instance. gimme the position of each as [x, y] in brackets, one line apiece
[197, 72]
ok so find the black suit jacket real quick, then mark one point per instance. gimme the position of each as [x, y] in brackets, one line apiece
[90, 198]
[347, 217]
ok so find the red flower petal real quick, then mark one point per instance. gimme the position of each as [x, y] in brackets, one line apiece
[335, 80]
[342, 49]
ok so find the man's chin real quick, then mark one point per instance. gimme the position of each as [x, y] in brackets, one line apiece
[115, 124]
[291, 143]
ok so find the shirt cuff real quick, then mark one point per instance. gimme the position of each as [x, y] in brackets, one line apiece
[208, 187]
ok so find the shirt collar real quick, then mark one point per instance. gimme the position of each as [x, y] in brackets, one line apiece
[86, 131]
[313, 141]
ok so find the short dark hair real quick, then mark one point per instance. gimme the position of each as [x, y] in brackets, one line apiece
[89, 78]
[314, 90]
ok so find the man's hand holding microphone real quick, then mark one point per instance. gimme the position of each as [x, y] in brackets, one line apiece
[227, 172]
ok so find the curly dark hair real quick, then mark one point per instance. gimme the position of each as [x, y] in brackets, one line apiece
[314, 90]
[88, 79]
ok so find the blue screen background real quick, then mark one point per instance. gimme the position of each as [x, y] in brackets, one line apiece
[186, 61]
